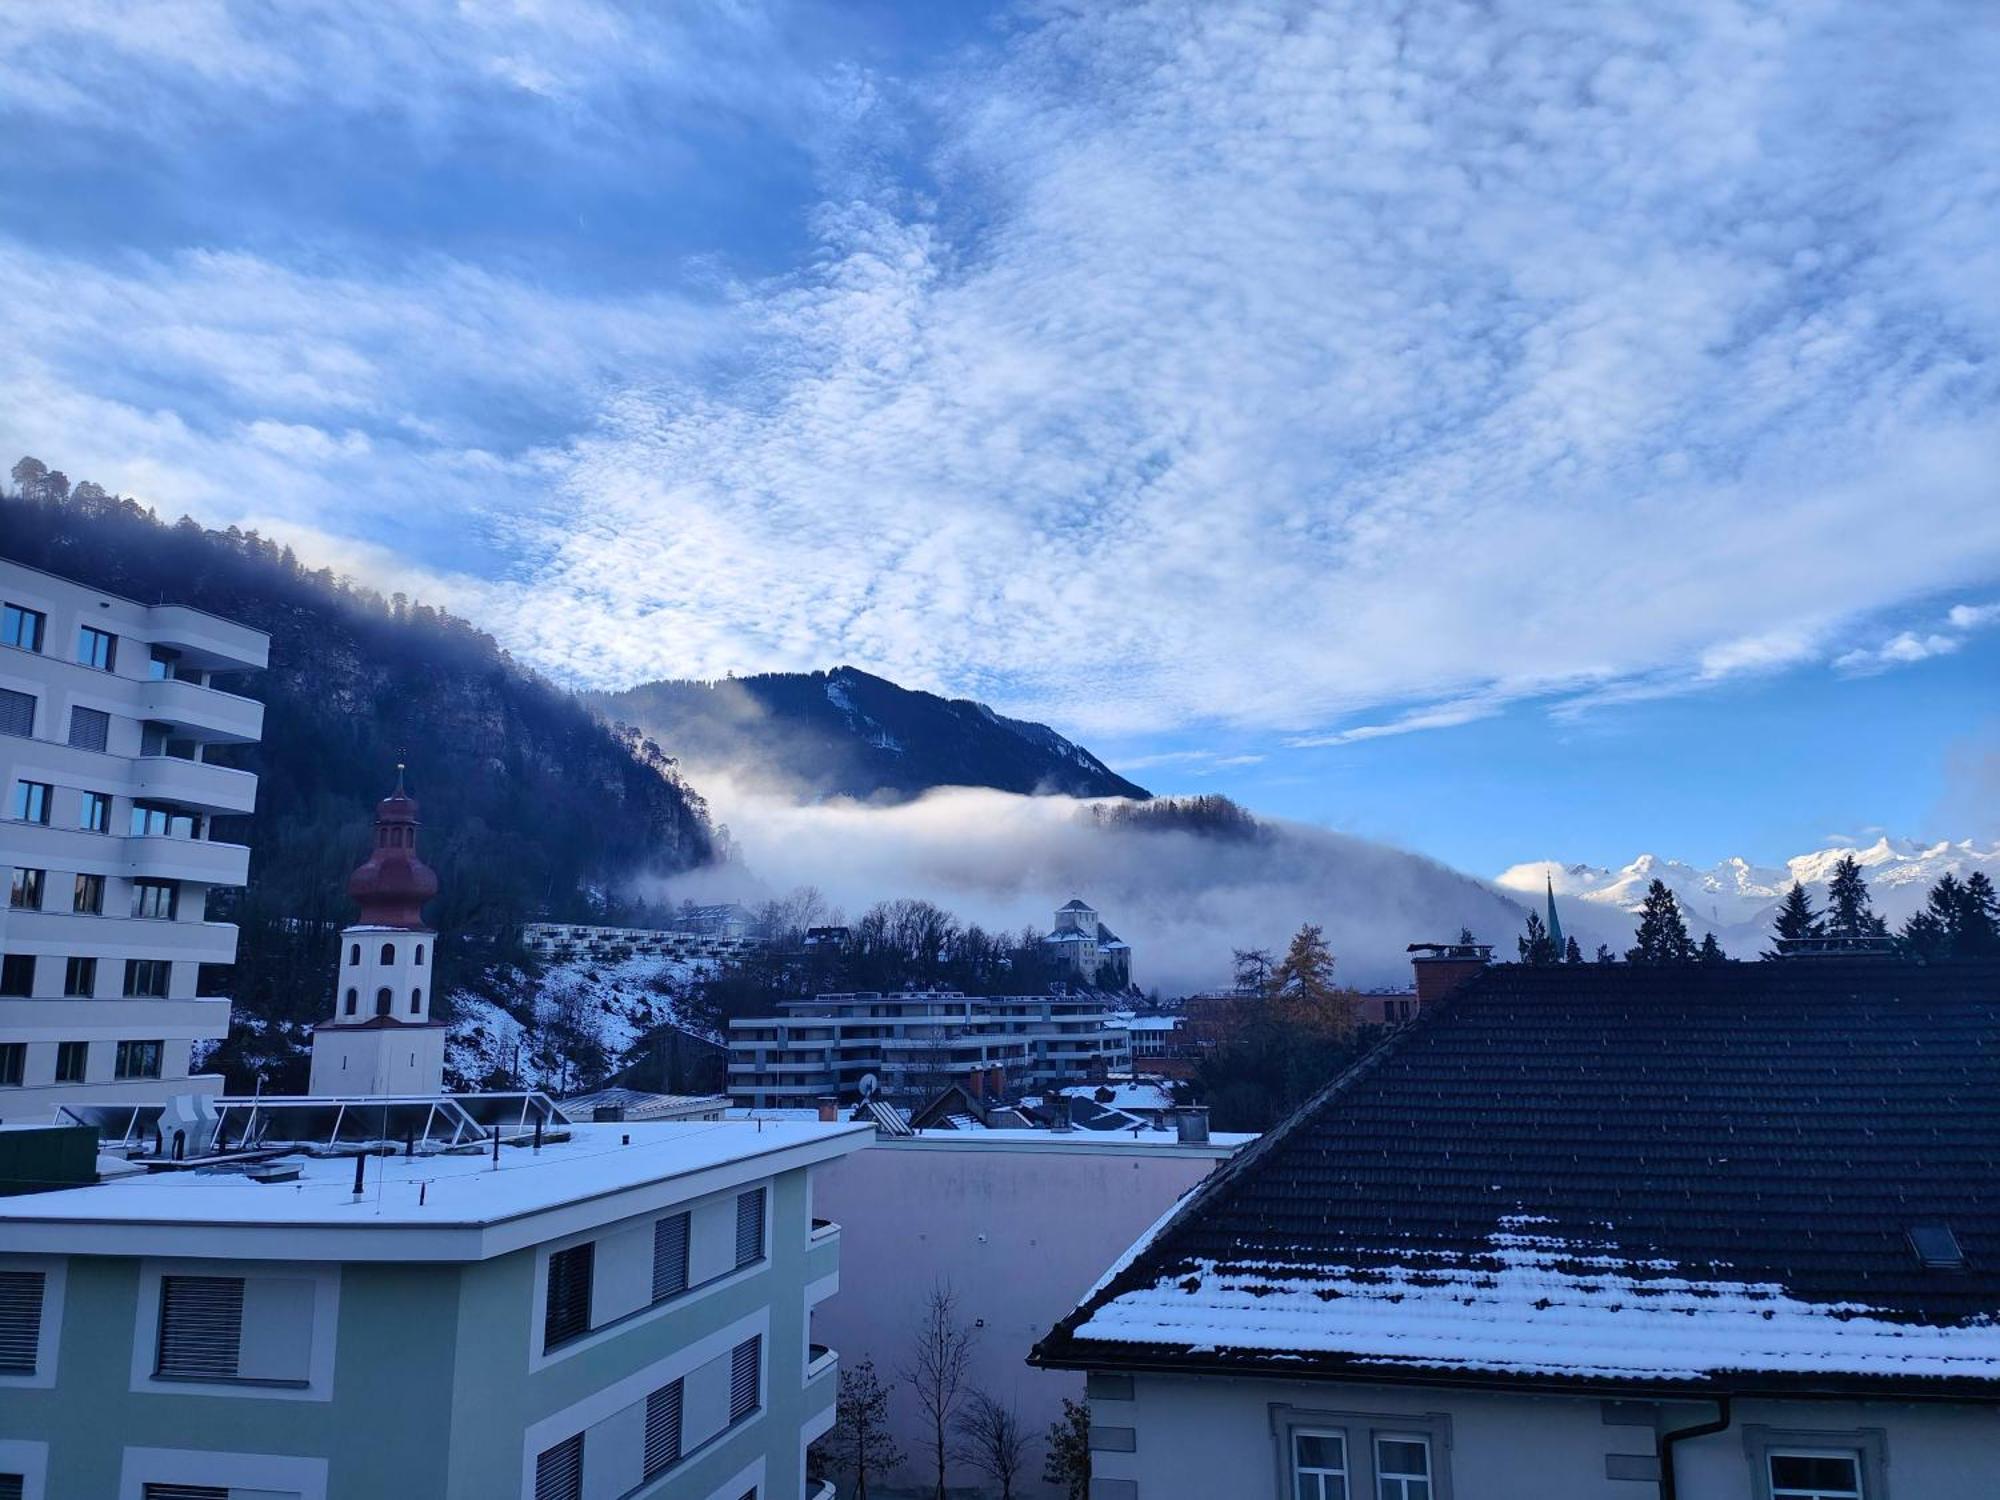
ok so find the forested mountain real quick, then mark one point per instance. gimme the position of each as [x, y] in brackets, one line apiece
[530, 804]
[848, 733]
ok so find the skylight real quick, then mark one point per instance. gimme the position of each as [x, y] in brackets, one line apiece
[1937, 1247]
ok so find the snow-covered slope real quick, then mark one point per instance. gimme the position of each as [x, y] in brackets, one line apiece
[1736, 899]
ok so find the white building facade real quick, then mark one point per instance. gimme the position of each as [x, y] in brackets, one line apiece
[109, 713]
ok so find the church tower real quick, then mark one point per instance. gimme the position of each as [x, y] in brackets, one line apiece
[382, 1039]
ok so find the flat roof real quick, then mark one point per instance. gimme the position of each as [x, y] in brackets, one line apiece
[441, 1207]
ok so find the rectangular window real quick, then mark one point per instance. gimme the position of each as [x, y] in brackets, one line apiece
[80, 978]
[89, 728]
[749, 1226]
[148, 978]
[1402, 1466]
[13, 1486]
[138, 1060]
[744, 1361]
[1319, 1466]
[1815, 1476]
[87, 898]
[559, 1471]
[24, 891]
[96, 648]
[201, 1322]
[161, 663]
[13, 1064]
[184, 1492]
[93, 812]
[31, 801]
[663, 1429]
[17, 975]
[17, 713]
[567, 1315]
[22, 627]
[72, 1061]
[20, 1321]
[670, 1256]
[162, 820]
[157, 899]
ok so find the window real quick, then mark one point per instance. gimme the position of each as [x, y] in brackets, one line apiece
[663, 1429]
[13, 1064]
[384, 1001]
[24, 891]
[20, 1321]
[148, 978]
[151, 1491]
[744, 1360]
[137, 1060]
[1815, 1476]
[749, 1227]
[87, 898]
[13, 1486]
[416, 1001]
[388, 953]
[420, 955]
[93, 812]
[1319, 1466]
[158, 739]
[79, 977]
[162, 820]
[162, 663]
[22, 627]
[17, 713]
[567, 1315]
[157, 899]
[559, 1471]
[353, 999]
[354, 955]
[201, 1324]
[31, 801]
[17, 974]
[96, 648]
[72, 1061]
[89, 728]
[1402, 1466]
[670, 1256]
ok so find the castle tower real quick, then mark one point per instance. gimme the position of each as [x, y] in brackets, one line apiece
[382, 1039]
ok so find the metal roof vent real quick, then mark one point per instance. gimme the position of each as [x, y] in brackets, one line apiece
[1936, 1247]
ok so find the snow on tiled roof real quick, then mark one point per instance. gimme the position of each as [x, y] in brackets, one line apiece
[1618, 1175]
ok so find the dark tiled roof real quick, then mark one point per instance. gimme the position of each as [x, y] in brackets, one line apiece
[1682, 1178]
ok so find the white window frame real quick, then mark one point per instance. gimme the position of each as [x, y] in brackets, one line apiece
[139, 1467]
[30, 1460]
[55, 1286]
[1360, 1429]
[1868, 1445]
[1428, 1478]
[1345, 1473]
[325, 1277]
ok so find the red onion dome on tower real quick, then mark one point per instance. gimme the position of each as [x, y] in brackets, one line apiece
[392, 885]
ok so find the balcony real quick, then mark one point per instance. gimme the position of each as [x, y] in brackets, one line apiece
[78, 1020]
[820, 1361]
[822, 1231]
[60, 932]
[166, 778]
[208, 641]
[161, 858]
[203, 713]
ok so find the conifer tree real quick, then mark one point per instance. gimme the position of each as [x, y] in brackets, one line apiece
[1535, 945]
[1302, 985]
[1571, 953]
[1981, 926]
[1605, 955]
[1849, 911]
[1662, 935]
[1796, 918]
[1711, 951]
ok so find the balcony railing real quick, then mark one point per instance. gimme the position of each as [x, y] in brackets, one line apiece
[822, 1230]
[819, 1360]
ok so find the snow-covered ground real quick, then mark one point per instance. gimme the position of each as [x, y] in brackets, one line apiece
[1737, 899]
[617, 1003]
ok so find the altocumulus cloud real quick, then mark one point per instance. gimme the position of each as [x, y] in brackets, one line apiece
[1257, 365]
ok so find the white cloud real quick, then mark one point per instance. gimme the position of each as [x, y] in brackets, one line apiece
[1907, 647]
[1441, 716]
[1973, 616]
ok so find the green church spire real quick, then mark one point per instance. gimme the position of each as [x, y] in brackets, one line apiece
[1555, 922]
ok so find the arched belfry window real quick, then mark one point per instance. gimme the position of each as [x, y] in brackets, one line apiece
[354, 954]
[353, 999]
[388, 953]
[416, 1001]
[383, 1001]
[420, 955]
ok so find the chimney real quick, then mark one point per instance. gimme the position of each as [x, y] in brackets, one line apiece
[1192, 1122]
[975, 1083]
[829, 1110]
[1059, 1107]
[1443, 967]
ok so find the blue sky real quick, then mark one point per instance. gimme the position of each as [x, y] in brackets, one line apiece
[1539, 430]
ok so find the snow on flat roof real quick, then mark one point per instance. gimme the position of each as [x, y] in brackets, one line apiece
[455, 1191]
[1529, 1312]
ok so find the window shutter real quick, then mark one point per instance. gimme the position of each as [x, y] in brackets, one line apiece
[17, 712]
[663, 1429]
[749, 1226]
[20, 1321]
[89, 728]
[13, 1486]
[201, 1326]
[559, 1471]
[743, 1363]
[186, 1492]
[569, 1295]
[670, 1256]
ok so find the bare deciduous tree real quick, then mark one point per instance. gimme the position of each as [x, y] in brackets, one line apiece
[995, 1442]
[939, 1358]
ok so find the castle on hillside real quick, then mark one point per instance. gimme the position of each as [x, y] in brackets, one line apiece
[1088, 951]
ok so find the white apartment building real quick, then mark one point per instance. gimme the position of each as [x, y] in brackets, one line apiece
[915, 1042]
[108, 713]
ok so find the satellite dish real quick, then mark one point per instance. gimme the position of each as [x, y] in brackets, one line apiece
[869, 1085]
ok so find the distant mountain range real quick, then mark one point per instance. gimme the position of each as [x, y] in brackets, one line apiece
[1737, 900]
[848, 733]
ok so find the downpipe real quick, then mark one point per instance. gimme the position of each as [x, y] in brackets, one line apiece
[1664, 1445]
